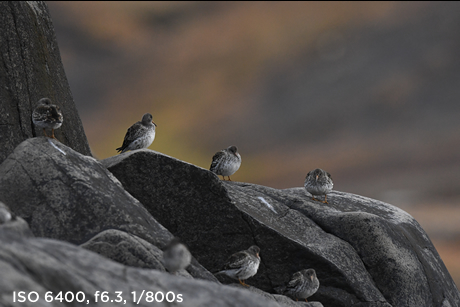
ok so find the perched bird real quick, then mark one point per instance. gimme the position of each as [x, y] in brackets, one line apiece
[176, 256]
[242, 265]
[226, 162]
[140, 135]
[318, 182]
[302, 285]
[47, 115]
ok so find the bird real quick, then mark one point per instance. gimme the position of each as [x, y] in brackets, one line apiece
[176, 256]
[302, 285]
[242, 265]
[139, 135]
[47, 116]
[226, 162]
[318, 182]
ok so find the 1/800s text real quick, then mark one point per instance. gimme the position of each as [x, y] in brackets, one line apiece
[98, 296]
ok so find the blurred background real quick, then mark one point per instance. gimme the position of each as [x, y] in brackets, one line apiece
[367, 91]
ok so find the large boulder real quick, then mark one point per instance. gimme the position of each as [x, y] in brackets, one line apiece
[32, 69]
[65, 195]
[365, 252]
[131, 250]
[41, 265]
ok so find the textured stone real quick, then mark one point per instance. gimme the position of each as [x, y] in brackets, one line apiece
[42, 265]
[126, 248]
[65, 195]
[13, 223]
[365, 252]
[31, 69]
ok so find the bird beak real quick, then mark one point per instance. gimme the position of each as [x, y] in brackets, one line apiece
[258, 255]
[317, 177]
[311, 277]
[154, 124]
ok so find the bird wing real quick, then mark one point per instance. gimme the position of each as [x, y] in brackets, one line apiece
[236, 260]
[296, 280]
[54, 114]
[133, 133]
[216, 159]
[48, 114]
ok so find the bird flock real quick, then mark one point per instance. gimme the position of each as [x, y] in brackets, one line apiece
[239, 266]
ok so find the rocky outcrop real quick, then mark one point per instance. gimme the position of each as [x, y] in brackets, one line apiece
[71, 197]
[43, 265]
[365, 252]
[66, 196]
[31, 69]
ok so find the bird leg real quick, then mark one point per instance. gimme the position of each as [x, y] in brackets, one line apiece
[325, 199]
[229, 178]
[313, 198]
[44, 132]
[52, 133]
[242, 282]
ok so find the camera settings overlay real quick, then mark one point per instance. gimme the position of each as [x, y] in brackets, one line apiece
[116, 297]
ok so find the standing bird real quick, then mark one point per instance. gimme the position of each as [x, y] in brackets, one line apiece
[226, 162]
[302, 285]
[318, 182]
[47, 115]
[242, 265]
[140, 135]
[176, 256]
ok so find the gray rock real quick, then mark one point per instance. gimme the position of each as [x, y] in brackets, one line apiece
[11, 223]
[280, 299]
[68, 196]
[32, 69]
[365, 252]
[5, 214]
[65, 195]
[42, 265]
[133, 251]
[126, 248]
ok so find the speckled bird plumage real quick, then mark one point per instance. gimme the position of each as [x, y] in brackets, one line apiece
[318, 182]
[242, 265]
[176, 256]
[139, 135]
[47, 116]
[226, 162]
[302, 285]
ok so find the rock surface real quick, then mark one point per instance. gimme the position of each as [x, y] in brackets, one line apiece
[32, 69]
[42, 265]
[68, 196]
[365, 252]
